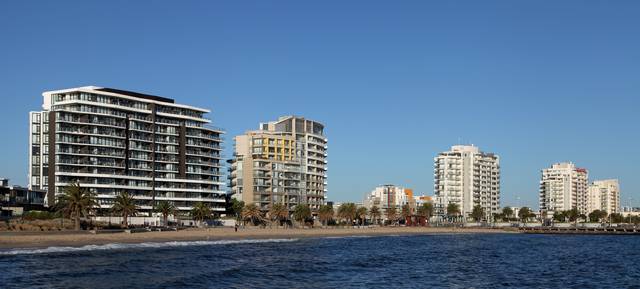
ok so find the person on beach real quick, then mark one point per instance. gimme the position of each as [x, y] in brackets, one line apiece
[236, 227]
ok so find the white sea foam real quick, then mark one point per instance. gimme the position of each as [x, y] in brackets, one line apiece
[120, 246]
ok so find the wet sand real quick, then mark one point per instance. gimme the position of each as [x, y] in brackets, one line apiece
[45, 239]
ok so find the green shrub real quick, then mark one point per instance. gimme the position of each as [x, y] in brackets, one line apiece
[39, 215]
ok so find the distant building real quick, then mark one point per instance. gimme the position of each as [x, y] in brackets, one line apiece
[467, 177]
[112, 141]
[419, 200]
[627, 209]
[16, 199]
[516, 212]
[563, 187]
[283, 162]
[388, 196]
[604, 195]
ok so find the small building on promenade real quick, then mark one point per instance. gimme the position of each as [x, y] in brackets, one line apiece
[14, 200]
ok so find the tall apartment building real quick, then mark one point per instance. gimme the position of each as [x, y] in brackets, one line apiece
[284, 162]
[112, 140]
[563, 187]
[604, 195]
[467, 177]
[387, 196]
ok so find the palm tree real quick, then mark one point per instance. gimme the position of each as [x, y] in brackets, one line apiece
[347, 211]
[477, 213]
[392, 214]
[361, 213]
[507, 212]
[252, 212]
[525, 213]
[325, 213]
[125, 205]
[237, 207]
[375, 214]
[453, 210]
[573, 215]
[559, 216]
[76, 202]
[301, 213]
[597, 215]
[406, 213]
[165, 208]
[200, 212]
[425, 211]
[278, 213]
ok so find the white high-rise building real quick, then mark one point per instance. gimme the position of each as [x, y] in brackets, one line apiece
[563, 187]
[604, 195]
[467, 177]
[111, 141]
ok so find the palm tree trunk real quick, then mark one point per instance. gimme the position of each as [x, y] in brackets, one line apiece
[124, 221]
[76, 220]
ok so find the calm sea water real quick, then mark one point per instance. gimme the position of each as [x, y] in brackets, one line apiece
[450, 261]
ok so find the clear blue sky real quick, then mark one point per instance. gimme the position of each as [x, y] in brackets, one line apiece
[536, 82]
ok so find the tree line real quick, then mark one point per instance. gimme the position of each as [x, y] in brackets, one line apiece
[78, 202]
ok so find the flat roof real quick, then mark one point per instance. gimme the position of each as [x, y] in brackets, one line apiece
[136, 94]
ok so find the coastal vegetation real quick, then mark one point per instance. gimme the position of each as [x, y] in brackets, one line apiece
[361, 214]
[165, 208]
[425, 211]
[76, 202]
[375, 214]
[125, 206]
[325, 214]
[525, 214]
[200, 212]
[392, 215]
[347, 212]
[477, 213]
[301, 213]
[252, 213]
[278, 213]
[405, 212]
[236, 209]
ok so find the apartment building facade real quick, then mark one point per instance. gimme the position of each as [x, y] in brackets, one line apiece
[283, 162]
[110, 141]
[563, 187]
[388, 196]
[467, 177]
[604, 195]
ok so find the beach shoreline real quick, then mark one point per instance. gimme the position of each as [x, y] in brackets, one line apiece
[24, 240]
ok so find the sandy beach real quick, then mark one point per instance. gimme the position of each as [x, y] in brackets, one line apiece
[46, 239]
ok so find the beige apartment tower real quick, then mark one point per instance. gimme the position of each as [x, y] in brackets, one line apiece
[563, 187]
[604, 195]
[283, 162]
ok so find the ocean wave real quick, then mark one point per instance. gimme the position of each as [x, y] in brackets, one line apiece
[120, 246]
[350, 237]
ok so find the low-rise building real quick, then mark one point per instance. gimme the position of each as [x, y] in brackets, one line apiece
[387, 196]
[422, 199]
[15, 199]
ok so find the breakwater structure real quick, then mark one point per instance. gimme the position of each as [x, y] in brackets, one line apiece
[619, 230]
